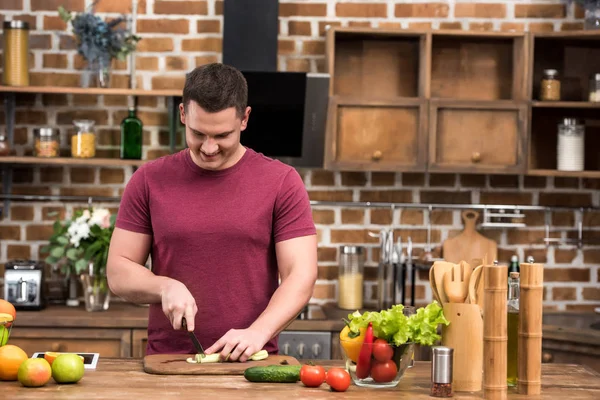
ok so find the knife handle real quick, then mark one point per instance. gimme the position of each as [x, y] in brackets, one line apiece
[183, 323]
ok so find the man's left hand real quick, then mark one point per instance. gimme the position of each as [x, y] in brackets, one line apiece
[241, 343]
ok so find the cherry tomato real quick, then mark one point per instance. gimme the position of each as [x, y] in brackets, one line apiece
[384, 371]
[338, 379]
[312, 375]
[382, 351]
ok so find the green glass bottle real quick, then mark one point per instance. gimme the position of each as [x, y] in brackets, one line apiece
[131, 136]
[514, 264]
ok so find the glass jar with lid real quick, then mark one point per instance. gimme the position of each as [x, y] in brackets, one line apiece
[550, 86]
[594, 91]
[46, 142]
[4, 145]
[571, 145]
[350, 277]
[83, 141]
[16, 53]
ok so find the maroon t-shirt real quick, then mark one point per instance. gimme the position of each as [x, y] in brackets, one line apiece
[215, 231]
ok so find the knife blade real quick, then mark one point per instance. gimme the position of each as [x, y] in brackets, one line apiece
[195, 340]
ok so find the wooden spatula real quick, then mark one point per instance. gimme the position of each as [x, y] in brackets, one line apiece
[439, 270]
[454, 284]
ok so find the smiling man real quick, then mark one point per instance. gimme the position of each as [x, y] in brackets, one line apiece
[230, 232]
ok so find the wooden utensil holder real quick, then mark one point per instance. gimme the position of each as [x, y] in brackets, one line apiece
[465, 336]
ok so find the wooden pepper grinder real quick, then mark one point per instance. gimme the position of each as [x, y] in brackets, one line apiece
[495, 334]
[529, 370]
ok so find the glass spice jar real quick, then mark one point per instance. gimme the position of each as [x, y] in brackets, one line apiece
[594, 91]
[83, 142]
[550, 86]
[46, 142]
[441, 371]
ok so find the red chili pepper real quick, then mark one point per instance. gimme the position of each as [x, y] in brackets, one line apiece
[363, 366]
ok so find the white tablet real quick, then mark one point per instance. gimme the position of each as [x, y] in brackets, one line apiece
[90, 360]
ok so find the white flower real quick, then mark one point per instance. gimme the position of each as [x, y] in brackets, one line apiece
[100, 217]
[78, 231]
[84, 217]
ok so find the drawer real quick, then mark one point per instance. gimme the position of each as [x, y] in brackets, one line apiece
[106, 342]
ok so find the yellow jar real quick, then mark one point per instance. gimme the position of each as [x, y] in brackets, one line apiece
[550, 86]
[16, 53]
[83, 142]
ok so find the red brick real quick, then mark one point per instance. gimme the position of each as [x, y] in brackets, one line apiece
[67, 117]
[12, 5]
[362, 10]
[168, 82]
[302, 10]
[22, 175]
[455, 197]
[536, 182]
[298, 65]
[20, 136]
[564, 256]
[313, 47]
[504, 181]
[10, 232]
[480, 10]
[391, 196]
[52, 5]
[163, 26]
[322, 178]
[351, 236]
[540, 11]
[323, 216]
[299, 28]
[441, 217]
[591, 218]
[116, 100]
[54, 23]
[120, 6]
[354, 179]
[195, 7]
[591, 293]
[539, 255]
[589, 308]
[571, 26]
[563, 293]
[528, 237]
[411, 217]
[436, 180]
[55, 61]
[419, 25]
[413, 179]
[155, 44]
[30, 19]
[381, 216]
[451, 25]
[566, 274]
[474, 180]
[112, 175]
[83, 175]
[563, 218]
[361, 24]
[38, 232]
[86, 191]
[421, 10]
[203, 44]
[18, 251]
[383, 179]
[481, 26]
[21, 213]
[327, 254]
[54, 79]
[565, 199]
[154, 154]
[53, 213]
[34, 190]
[174, 63]
[541, 27]
[516, 198]
[85, 100]
[201, 60]
[219, 7]
[31, 117]
[353, 216]
[563, 182]
[146, 63]
[324, 291]
[330, 195]
[286, 46]
[208, 26]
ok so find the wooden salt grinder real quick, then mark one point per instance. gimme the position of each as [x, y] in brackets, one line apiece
[495, 334]
[529, 370]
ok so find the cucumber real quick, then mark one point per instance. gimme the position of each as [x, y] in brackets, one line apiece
[273, 373]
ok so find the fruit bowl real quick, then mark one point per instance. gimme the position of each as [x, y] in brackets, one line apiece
[387, 363]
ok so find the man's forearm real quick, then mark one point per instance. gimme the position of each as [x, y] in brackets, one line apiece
[134, 282]
[285, 304]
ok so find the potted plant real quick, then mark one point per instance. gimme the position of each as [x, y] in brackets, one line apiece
[99, 42]
[79, 246]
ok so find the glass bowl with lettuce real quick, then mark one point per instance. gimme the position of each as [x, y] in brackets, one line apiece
[378, 347]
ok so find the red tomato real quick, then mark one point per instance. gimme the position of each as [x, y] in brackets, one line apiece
[382, 351]
[312, 375]
[338, 379]
[383, 371]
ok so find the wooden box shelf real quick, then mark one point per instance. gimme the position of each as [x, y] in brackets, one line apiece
[471, 66]
[376, 64]
[470, 136]
[372, 135]
[576, 56]
[544, 138]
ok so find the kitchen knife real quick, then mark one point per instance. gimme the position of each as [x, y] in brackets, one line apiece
[197, 344]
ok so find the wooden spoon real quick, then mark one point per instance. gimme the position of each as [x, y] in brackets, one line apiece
[473, 284]
[434, 289]
[453, 285]
[439, 269]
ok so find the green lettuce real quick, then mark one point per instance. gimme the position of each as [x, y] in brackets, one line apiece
[396, 328]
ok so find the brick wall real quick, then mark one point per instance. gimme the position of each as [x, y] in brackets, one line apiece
[174, 43]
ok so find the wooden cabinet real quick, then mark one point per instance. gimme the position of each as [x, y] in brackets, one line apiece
[107, 342]
[139, 340]
[469, 136]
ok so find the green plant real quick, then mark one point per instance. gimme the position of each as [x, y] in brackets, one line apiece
[81, 240]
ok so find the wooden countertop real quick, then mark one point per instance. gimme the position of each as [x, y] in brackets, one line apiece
[117, 379]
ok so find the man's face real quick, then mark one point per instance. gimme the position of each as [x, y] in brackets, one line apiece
[213, 138]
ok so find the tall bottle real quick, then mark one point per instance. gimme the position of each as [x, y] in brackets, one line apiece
[513, 329]
[131, 136]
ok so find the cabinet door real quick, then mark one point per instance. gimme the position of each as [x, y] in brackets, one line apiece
[106, 342]
[139, 339]
[376, 136]
[477, 136]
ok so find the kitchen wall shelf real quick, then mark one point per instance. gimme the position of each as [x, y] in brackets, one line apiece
[572, 174]
[90, 91]
[112, 162]
[565, 104]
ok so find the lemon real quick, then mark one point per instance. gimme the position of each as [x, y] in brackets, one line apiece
[67, 368]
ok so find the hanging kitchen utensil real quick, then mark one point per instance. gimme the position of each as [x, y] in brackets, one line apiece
[410, 265]
[469, 244]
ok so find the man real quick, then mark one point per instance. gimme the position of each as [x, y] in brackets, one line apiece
[221, 222]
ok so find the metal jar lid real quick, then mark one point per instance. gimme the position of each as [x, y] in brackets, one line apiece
[351, 249]
[441, 364]
[571, 122]
[550, 73]
[15, 24]
[45, 132]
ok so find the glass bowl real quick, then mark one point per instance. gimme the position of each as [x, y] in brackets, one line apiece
[381, 373]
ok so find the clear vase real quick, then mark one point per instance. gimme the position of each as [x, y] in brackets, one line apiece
[591, 14]
[96, 74]
[95, 292]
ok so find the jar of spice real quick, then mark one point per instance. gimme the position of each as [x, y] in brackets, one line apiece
[4, 145]
[46, 142]
[83, 142]
[550, 86]
[594, 92]
[571, 145]
[441, 371]
[350, 277]
[16, 53]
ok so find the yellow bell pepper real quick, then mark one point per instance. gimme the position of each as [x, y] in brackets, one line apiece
[352, 345]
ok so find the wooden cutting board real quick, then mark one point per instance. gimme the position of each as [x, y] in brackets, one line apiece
[469, 244]
[176, 364]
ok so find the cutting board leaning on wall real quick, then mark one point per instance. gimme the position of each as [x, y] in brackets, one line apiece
[469, 244]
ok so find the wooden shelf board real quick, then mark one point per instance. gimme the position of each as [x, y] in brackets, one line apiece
[70, 161]
[565, 104]
[582, 34]
[554, 172]
[92, 91]
[477, 34]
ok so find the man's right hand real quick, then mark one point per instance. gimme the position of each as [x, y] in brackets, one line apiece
[178, 302]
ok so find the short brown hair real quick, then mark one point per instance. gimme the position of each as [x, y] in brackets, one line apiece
[216, 87]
